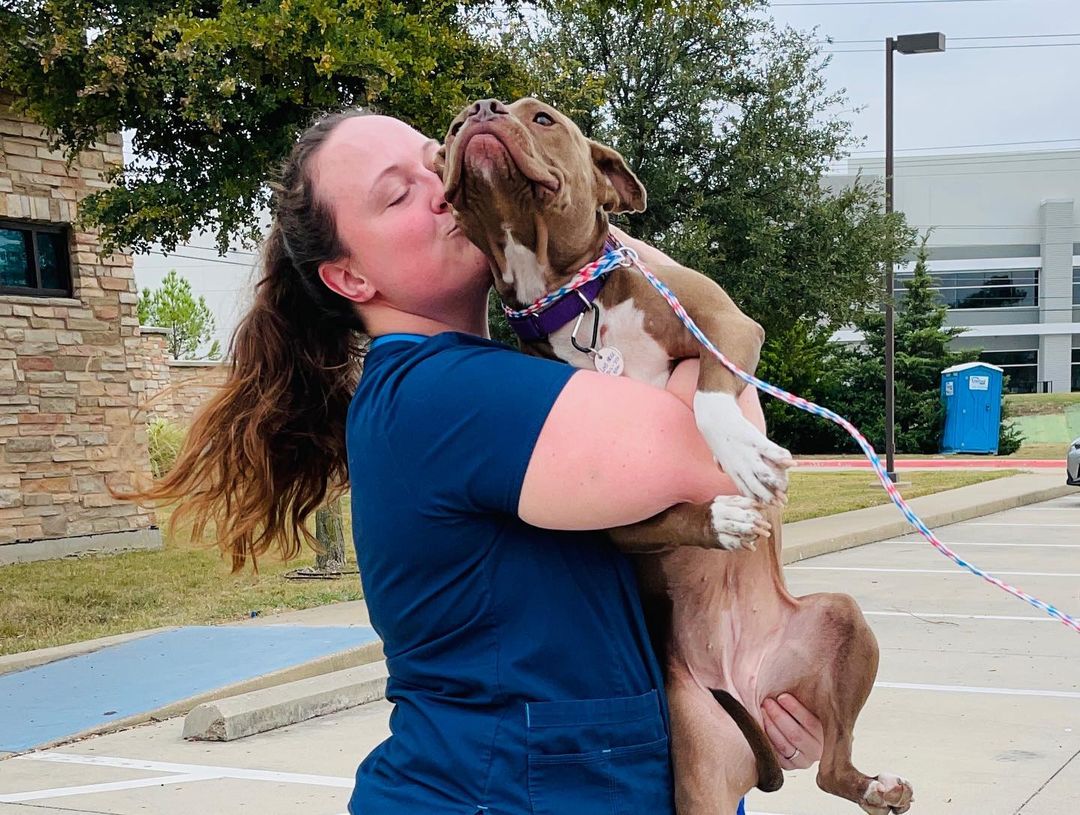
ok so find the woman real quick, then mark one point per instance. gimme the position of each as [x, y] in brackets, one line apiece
[521, 673]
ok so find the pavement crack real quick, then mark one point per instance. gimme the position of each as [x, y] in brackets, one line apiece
[1057, 772]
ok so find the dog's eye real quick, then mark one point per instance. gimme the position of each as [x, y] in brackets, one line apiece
[543, 119]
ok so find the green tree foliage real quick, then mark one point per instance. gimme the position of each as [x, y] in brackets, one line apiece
[922, 353]
[802, 360]
[217, 91]
[727, 120]
[174, 306]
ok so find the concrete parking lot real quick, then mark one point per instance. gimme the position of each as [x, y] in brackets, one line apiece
[977, 703]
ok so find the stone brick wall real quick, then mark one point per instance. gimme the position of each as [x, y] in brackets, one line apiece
[70, 380]
[176, 389]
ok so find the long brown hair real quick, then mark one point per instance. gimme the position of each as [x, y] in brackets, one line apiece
[269, 448]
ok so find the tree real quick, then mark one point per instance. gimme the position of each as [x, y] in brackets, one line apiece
[174, 306]
[922, 352]
[727, 120]
[216, 92]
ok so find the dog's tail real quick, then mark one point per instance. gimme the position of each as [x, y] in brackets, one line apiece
[770, 774]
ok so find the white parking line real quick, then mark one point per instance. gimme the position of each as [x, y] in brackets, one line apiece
[933, 615]
[985, 543]
[1053, 694]
[921, 571]
[1026, 526]
[112, 786]
[1045, 509]
[192, 769]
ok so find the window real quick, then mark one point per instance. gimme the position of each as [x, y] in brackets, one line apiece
[34, 260]
[1021, 368]
[987, 288]
[1075, 370]
[1076, 286]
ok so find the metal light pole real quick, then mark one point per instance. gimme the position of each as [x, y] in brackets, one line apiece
[930, 43]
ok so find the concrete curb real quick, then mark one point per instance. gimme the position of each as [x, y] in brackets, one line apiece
[349, 658]
[834, 533]
[268, 709]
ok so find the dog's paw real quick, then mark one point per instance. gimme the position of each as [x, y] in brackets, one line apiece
[756, 465]
[887, 795]
[737, 523]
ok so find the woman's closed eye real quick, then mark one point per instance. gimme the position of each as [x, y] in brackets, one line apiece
[399, 197]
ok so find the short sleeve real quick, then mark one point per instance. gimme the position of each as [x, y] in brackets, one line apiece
[464, 422]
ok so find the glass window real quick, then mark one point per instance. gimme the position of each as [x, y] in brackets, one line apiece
[1075, 367]
[34, 259]
[52, 255]
[16, 266]
[1076, 286]
[985, 288]
[1021, 369]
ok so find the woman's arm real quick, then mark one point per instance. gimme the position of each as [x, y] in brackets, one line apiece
[614, 451]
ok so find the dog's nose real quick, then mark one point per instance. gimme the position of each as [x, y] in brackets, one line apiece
[487, 109]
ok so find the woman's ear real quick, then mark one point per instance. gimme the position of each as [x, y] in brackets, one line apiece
[341, 279]
[620, 190]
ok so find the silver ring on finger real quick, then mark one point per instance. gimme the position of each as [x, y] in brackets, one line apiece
[793, 755]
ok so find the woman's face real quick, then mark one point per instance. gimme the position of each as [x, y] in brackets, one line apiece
[404, 248]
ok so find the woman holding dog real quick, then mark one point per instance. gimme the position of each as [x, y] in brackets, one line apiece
[520, 667]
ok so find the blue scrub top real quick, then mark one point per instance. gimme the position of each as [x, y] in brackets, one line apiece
[520, 667]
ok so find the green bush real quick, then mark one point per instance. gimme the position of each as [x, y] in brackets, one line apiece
[165, 439]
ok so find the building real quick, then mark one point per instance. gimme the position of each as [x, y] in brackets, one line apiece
[72, 360]
[1004, 249]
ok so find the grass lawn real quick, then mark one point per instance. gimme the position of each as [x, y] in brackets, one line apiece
[1040, 404]
[55, 602]
[814, 494]
[60, 601]
[1041, 451]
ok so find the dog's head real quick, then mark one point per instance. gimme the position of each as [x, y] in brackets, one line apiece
[525, 172]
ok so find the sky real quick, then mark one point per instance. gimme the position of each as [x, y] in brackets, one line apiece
[1003, 96]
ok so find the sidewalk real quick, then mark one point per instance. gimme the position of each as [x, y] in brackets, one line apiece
[76, 666]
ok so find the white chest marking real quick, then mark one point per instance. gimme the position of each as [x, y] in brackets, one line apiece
[523, 271]
[624, 326]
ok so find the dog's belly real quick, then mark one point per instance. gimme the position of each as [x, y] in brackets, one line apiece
[622, 326]
[730, 625]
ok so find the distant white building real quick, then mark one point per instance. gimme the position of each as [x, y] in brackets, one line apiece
[1004, 251]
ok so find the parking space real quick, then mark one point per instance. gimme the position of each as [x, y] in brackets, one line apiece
[977, 702]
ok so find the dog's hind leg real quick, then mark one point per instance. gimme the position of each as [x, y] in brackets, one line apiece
[841, 688]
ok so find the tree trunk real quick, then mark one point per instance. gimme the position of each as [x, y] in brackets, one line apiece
[329, 531]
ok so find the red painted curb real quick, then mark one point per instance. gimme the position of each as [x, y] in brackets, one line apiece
[936, 463]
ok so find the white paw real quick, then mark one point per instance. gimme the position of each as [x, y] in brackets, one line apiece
[737, 523]
[887, 795]
[758, 467]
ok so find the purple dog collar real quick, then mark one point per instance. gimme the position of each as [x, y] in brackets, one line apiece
[541, 325]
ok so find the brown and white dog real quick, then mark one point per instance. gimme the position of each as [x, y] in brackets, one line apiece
[534, 194]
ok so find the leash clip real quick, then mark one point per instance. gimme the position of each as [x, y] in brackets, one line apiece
[595, 309]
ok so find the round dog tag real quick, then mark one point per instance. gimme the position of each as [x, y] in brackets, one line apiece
[609, 360]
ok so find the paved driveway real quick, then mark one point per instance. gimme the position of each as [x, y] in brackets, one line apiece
[978, 701]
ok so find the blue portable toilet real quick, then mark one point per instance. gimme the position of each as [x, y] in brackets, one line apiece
[971, 394]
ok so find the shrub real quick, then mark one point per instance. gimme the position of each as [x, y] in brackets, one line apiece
[165, 439]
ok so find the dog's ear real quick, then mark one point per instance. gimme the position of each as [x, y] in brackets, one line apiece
[620, 190]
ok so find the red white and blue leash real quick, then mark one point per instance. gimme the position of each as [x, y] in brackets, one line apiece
[624, 256]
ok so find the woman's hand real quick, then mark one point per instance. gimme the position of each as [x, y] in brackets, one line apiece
[795, 732]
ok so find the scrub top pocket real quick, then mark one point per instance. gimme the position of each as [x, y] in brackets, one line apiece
[599, 757]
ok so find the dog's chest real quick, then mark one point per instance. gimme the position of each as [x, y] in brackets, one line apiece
[622, 326]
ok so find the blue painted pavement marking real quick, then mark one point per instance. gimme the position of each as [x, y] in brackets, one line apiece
[51, 701]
